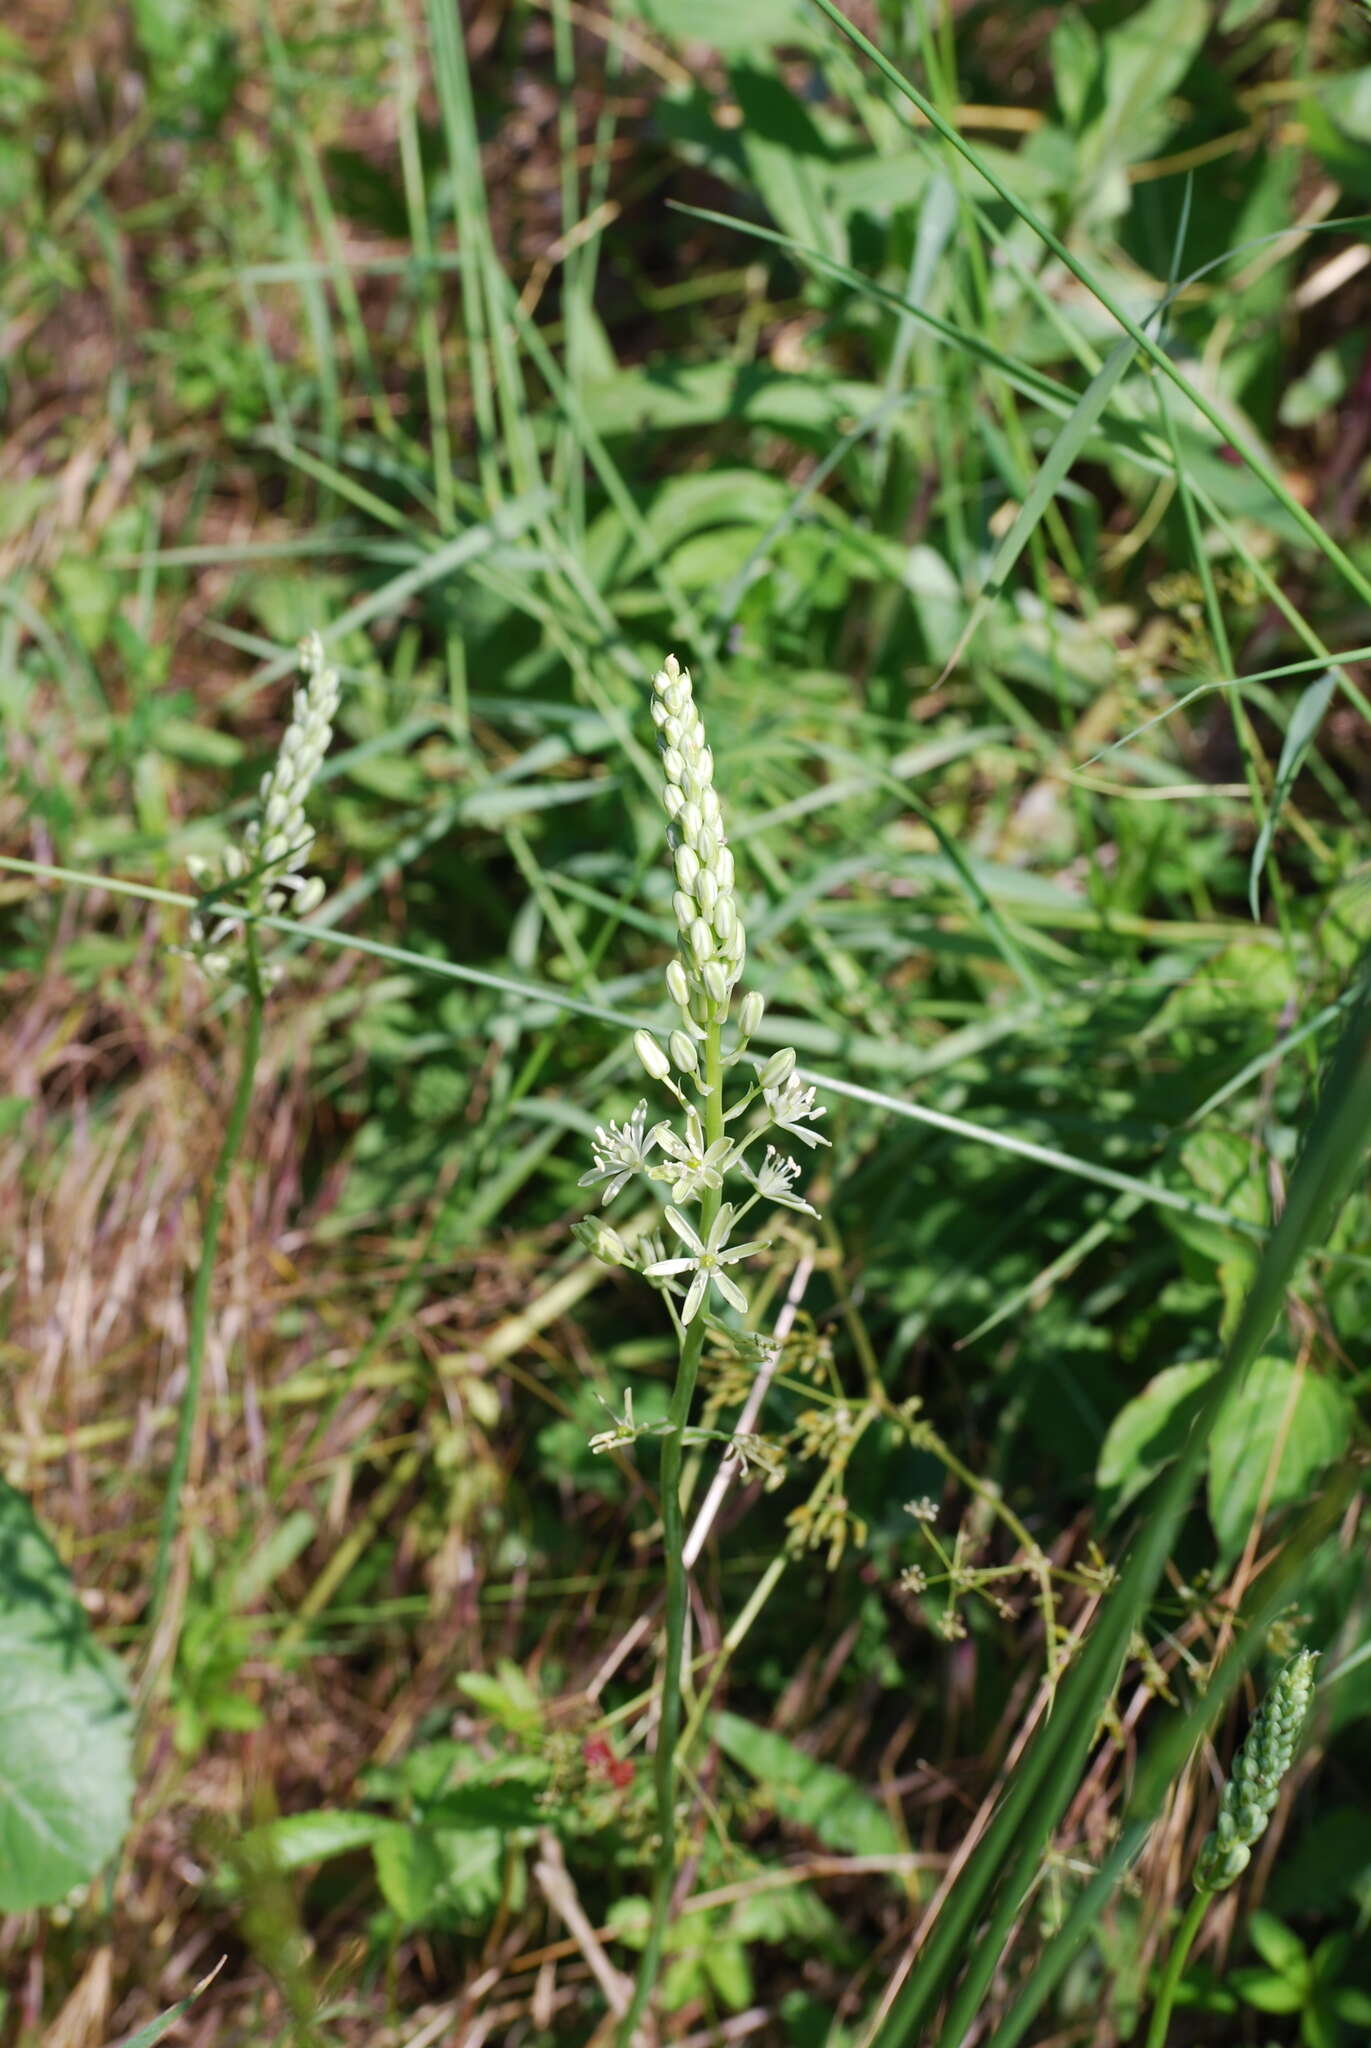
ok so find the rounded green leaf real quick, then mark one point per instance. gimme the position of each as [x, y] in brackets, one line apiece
[1150, 1430]
[1279, 1431]
[65, 1726]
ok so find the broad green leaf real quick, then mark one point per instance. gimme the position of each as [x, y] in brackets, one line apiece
[1267, 1992]
[725, 24]
[787, 158]
[810, 1794]
[1277, 1404]
[434, 1876]
[1277, 1944]
[1143, 60]
[302, 1838]
[1150, 1431]
[727, 1968]
[66, 1781]
[506, 1695]
[1319, 2028]
[681, 394]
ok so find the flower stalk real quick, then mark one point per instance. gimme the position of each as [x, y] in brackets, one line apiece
[1245, 1806]
[693, 1153]
[265, 872]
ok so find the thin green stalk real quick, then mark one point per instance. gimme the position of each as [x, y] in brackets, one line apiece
[1175, 1964]
[200, 1295]
[666, 1760]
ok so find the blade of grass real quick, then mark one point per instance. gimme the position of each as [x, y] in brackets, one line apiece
[1141, 339]
[540, 998]
[1173, 1744]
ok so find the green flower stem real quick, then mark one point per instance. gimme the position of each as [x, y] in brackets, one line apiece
[1175, 1965]
[200, 1296]
[665, 1763]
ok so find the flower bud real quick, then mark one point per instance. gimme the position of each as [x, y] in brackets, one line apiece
[652, 1056]
[677, 987]
[778, 1068]
[684, 1056]
[750, 1016]
[716, 981]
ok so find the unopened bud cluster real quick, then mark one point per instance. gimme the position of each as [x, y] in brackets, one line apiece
[713, 947]
[693, 1152]
[1254, 1785]
[277, 843]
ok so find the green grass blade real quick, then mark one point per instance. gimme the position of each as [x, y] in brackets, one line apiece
[1002, 1868]
[1155, 353]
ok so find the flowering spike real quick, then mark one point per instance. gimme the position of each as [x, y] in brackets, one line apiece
[1254, 1783]
[277, 842]
[706, 912]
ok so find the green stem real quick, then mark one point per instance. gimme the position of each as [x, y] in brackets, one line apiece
[1175, 1964]
[666, 1761]
[200, 1297]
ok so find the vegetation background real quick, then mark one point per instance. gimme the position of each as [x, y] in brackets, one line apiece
[510, 349]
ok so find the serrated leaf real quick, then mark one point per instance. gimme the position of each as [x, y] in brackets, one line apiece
[66, 1730]
[811, 1794]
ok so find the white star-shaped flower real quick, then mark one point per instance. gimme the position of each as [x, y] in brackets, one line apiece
[619, 1152]
[694, 1166]
[708, 1258]
[791, 1107]
[774, 1181]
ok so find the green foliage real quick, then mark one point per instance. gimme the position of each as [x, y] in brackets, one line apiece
[1276, 1437]
[522, 356]
[66, 1780]
[810, 1795]
[1298, 1980]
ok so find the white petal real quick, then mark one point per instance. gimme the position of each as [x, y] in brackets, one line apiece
[731, 1292]
[695, 1296]
[685, 1231]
